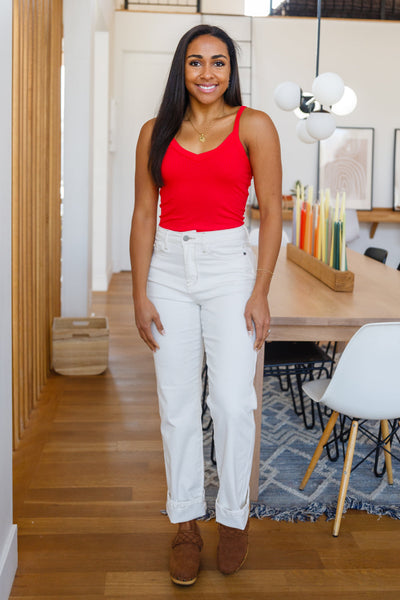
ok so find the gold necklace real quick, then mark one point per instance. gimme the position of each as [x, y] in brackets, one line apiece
[202, 135]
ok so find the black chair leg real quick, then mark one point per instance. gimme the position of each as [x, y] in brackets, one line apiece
[212, 453]
[332, 457]
[288, 385]
[204, 407]
[307, 425]
[297, 411]
[377, 472]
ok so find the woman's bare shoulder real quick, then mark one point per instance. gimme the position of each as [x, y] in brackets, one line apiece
[144, 139]
[147, 128]
[254, 120]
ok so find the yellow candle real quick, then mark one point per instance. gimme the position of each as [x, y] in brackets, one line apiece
[320, 219]
[343, 246]
[322, 225]
[310, 194]
[319, 253]
[327, 200]
[298, 203]
[308, 229]
[316, 232]
[332, 244]
[342, 208]
[337, 207]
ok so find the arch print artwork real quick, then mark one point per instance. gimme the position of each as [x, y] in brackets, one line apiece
[345, 165]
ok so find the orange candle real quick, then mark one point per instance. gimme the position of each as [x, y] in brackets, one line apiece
[308, 229]
[316, 251]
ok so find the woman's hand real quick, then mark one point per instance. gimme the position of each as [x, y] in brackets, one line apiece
[257, 313]
[145, 315]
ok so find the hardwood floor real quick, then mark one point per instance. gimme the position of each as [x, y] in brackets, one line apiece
[89, 487]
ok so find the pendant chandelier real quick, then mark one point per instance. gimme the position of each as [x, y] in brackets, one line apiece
[314, 109]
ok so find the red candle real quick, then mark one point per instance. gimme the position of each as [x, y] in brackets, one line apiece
[303, 218]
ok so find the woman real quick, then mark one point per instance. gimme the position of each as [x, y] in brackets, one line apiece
[196, 286]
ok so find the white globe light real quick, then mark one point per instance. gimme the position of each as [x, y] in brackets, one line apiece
[328, 88]
[320, 125]
[303, 134]
[346, 104]
[287, 95]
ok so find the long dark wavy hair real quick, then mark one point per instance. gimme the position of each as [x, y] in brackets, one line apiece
[176, 98]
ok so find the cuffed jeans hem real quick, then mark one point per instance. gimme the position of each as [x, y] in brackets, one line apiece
[232, 518]
[178, 512]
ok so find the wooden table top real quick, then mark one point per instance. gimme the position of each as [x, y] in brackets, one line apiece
[297, 299]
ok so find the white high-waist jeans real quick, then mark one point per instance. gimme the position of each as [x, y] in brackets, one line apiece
[200, 283]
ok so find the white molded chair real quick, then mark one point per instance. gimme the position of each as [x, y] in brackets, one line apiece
[365, 385]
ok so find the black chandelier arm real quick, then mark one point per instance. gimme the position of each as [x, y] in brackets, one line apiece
[307, 102]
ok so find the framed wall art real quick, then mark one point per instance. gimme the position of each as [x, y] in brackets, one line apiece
[396, 171]
[345, 165]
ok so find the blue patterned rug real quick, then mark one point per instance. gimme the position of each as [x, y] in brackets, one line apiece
[286, 449]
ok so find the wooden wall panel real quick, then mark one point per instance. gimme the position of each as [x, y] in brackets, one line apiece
[37, 47]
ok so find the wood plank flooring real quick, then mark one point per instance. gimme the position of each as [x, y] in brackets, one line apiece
[90, 485]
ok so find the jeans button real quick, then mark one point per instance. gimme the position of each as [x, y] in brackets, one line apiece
[185, 238]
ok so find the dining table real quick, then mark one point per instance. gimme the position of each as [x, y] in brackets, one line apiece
[305, 309]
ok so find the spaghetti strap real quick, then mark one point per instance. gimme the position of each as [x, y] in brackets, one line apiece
[237, 119]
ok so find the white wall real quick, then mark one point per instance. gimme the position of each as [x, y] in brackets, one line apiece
[8, 531]
[223, 7]
[101, 247]
[364, 54]
[79, 24]
[105, 10]
[102, 158]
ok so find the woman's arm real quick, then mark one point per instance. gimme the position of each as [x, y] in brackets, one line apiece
[262, 142]
[144, 222]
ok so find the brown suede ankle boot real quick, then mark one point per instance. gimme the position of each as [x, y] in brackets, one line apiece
[185, 556]
[232, 548]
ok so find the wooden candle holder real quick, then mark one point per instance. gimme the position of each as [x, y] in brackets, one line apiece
[339, 281]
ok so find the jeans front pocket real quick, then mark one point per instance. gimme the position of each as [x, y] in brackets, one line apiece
[238, 258]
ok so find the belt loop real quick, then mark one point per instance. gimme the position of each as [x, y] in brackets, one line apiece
[166, 241]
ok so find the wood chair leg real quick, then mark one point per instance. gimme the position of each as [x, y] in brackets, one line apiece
[345, 477]
[388, 458]
[318, 450]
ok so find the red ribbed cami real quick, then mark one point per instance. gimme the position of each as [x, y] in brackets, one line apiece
[207, 191]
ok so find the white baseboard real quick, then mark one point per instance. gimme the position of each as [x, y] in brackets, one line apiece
[8, 563]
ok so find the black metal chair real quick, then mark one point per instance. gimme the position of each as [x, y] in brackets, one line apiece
[299, 360]
[205, 412]
[379, 254]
